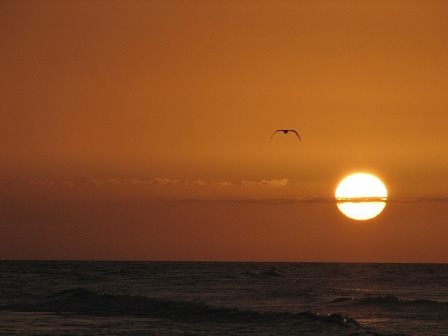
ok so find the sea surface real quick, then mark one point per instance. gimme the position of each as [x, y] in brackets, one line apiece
[223, 298]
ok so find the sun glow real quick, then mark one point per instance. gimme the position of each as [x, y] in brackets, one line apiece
[361, 196]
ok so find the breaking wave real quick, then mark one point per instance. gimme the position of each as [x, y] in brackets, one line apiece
[87, 302]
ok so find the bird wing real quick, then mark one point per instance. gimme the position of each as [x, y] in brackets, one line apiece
[296, 133]
[273, 134]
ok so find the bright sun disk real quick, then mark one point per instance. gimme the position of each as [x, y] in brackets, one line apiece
[361, 196]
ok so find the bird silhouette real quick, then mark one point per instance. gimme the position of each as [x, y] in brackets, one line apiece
[286, 131]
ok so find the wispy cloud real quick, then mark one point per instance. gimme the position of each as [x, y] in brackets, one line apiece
[417, 199]
[242, 191]
[317, 200]
[278, 201]
[203, 183]
[95, 183]
[223, 184]
[270, 201]
[164, 181]
[269, 183]
[115, 181]
[197, 183]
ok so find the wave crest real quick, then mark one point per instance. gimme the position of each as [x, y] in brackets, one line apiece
[85, 301]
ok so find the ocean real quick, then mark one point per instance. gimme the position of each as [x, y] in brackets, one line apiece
[222, 298]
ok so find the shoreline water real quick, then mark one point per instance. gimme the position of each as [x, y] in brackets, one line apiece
[138, 297]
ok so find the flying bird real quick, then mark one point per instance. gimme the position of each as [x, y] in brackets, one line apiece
[286, 131]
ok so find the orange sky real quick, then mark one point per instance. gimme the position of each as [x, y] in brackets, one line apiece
[140, 129]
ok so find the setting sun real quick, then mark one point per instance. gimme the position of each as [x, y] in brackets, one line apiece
[361, 196]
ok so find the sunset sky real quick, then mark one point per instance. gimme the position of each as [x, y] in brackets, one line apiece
[140, 130]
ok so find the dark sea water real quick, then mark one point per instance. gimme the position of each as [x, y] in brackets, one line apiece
[190, 298]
